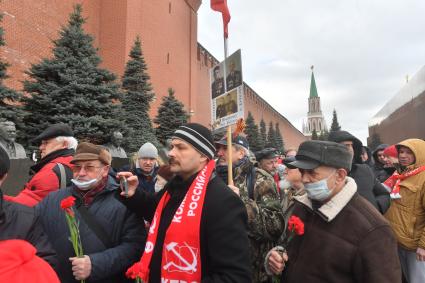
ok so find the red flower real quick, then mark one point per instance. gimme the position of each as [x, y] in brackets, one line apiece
[295, 224]
[134, 271]
[67, 203]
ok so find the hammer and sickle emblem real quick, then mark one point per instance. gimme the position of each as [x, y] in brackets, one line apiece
[188, 267]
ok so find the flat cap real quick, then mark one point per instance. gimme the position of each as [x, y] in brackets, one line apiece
[87, 151]
[240, 140]
[55, 130]
[267, 153]
[312, 154]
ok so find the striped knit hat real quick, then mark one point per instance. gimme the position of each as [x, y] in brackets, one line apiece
[198, 136]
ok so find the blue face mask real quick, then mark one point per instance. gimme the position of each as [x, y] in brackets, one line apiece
[318, 190]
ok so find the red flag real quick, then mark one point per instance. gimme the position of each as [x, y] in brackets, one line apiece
[221, 6]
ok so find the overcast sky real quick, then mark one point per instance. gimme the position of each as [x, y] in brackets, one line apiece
[361, 50]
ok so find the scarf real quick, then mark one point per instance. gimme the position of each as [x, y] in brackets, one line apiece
[394, 180]
[181, 255]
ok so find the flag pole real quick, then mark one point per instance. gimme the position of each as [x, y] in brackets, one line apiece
[229, 128]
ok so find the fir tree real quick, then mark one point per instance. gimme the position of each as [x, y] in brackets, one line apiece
[335, 125]
[323, 136]
[171, 115]
[263, 133]
[8, 96]
[251, 132]
[280, 144]
[136, 102]
[314, 135]
[71, 88]
[271, 136]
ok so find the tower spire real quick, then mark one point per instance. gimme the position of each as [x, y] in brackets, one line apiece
[313, 88]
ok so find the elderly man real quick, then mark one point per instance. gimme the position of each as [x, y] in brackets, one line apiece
[407, 211]
[53, 171]
[111, 236]
[257, 190]
[346, 239]
[198, 225]
[7, 140]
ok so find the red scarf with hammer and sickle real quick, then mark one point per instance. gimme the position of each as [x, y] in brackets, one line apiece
[181, 255]
[394, 181]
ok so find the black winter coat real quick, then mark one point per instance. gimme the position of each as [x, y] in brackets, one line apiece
[224, 239]
[20, 222]
[123, 229]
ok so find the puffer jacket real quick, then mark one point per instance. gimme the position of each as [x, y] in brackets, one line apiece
[46, 178]
[407, 214]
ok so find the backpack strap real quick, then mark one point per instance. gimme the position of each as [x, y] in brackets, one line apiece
[93, 225]
[62, 178]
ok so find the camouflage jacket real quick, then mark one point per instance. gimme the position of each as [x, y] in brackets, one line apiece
[265, 215]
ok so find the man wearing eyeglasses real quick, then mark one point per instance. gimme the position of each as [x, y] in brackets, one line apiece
[57, 146]
[112, 237]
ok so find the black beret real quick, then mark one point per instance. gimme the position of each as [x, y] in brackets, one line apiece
[4, 162]
[267, 153]
[56, 130]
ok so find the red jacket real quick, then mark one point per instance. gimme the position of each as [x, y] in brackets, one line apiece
[45, 179]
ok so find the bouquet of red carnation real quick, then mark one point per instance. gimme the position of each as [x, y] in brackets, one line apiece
[295, 228]
[66, 205]
[134, 272]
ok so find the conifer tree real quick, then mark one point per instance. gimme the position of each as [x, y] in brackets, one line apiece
[263, 132]
[335, 125]
[8, 96]
[314, 135]
[251, 131]
[171, 115]
[136, 101]
[280, 144]
[70, 87]
[271, 136]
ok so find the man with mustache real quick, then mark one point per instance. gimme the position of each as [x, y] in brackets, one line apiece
[198, 225]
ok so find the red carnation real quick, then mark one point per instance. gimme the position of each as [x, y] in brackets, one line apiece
[134, 272]
[295, 224]
[67, 203]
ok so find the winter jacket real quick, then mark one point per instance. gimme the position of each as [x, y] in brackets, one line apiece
[407, 214]
[345, 241]
[20, 222]
[380, 172]
[223, 231]
[46, 178]
[265, 215]
[146, 182]
[367, 184]
[124, 230]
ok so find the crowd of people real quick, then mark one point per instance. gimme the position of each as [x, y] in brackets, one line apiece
[328, 211]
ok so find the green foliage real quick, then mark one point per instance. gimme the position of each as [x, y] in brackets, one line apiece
[271, 136]
[323, 136]
[335, 125]
[136, 101]
[71, 88]
[8, 96]
[314, 135]
[252, 134]
[280, 144]
[263, 133]
[171, 115]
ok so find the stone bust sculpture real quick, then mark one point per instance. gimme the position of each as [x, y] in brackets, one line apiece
[7, 141]
[114, 146]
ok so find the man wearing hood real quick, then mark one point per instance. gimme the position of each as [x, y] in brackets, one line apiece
[407, 211]
[112, 237]
[382, 167]
[368, 186]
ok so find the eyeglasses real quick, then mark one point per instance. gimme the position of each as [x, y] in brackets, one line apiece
[87, 168]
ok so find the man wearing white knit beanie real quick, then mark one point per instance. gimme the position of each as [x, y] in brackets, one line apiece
[147, 167]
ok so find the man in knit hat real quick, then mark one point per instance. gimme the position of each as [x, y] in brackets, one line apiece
[198, 225]
[147, 167]
[111, 236]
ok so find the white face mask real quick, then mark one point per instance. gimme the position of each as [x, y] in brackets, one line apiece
[84, 185]
[318, 190]
[284, 184]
